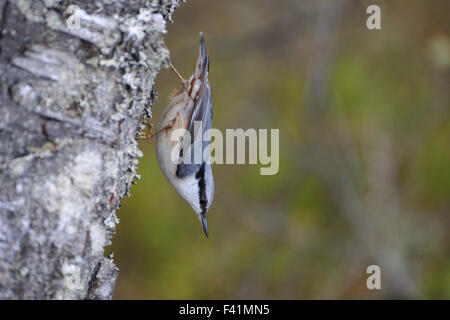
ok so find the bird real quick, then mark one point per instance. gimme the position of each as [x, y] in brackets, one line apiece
[189, 108]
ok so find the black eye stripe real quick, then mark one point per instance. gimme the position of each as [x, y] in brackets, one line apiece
[200, 176]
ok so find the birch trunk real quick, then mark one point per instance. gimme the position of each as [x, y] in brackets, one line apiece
[75, 84]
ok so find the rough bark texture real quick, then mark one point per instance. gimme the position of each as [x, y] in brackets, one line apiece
[71, 104]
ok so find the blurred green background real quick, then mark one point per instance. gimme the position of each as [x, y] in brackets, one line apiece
[364, 177]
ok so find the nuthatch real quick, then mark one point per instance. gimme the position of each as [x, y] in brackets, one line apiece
[190, 104]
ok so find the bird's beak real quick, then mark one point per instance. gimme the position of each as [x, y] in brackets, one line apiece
[204, 223]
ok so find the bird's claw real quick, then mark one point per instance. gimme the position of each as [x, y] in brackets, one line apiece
[147, 132]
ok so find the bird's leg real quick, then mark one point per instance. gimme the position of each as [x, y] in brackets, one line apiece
[168, 126]
[177, 73]
[148, 134]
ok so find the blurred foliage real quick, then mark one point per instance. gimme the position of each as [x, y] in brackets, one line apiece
[365, 180]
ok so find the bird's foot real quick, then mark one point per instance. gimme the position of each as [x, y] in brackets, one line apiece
[146, 133]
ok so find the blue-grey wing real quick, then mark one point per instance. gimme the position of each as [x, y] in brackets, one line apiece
[200, 122]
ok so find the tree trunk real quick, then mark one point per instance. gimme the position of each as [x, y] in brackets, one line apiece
[75, 83]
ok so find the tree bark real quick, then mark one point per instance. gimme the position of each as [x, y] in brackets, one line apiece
[74, 87]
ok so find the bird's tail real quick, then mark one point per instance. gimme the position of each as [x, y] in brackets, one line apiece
[201, 70]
